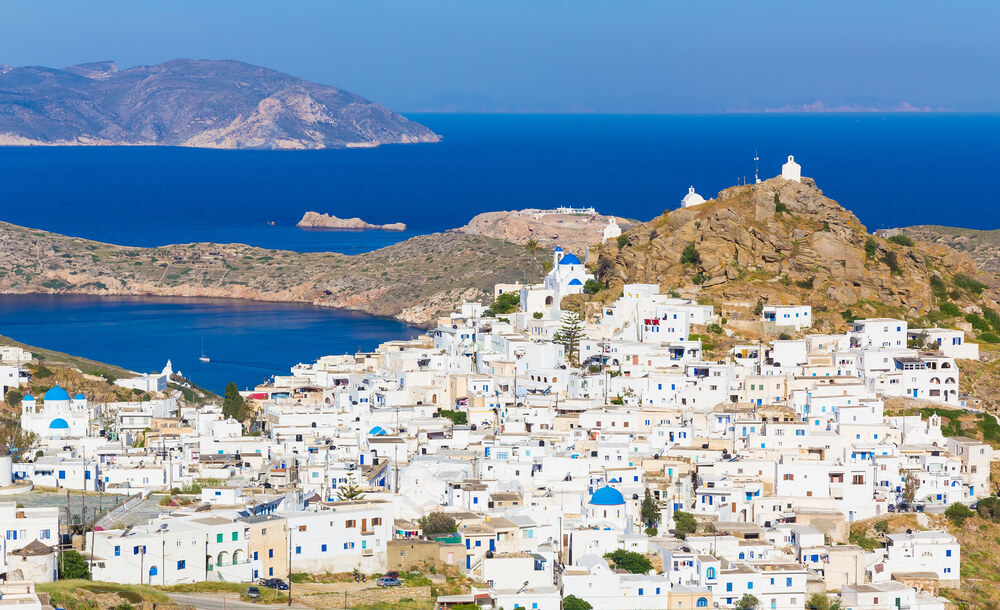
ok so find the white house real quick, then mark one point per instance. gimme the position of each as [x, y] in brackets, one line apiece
[795, 316]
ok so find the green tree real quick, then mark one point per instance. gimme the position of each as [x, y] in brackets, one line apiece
[957, 513]
[871, 247]
[684, 524]
[572, 602]
[569, 336]
[41, 372]
[532, 246]
[13, 398]
[902, 240]
[989, 508]
[507, 302]
[458, 418]
[690, 255]
[73, 565]
[622, 240]
[592, 286]
[747, 602]
[820, 601]
[350, 490]
[234, 405]
[650, 512]
[435, 524]
[15, 441]
[636, 563]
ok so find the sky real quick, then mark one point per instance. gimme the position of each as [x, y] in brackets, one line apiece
[611, 56]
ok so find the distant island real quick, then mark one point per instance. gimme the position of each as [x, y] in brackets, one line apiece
[315, 220]
[196, 103]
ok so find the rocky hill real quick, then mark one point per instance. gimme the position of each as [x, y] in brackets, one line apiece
[982, 246]
[414, 281]
[785, 242]
[201, 103]
[569, 231]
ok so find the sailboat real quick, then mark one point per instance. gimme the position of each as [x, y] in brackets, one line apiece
[203, 357]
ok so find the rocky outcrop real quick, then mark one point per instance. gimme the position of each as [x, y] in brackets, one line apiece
[570, 231]
[982, 246]
[315, 220]
[200, 103]
[785, 242]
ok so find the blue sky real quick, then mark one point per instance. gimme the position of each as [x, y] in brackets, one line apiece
[551, 55]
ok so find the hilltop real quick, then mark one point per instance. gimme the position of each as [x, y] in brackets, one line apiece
[199, 103]
[414, 281]
[548, 229]
[784, 242]
[982, 246]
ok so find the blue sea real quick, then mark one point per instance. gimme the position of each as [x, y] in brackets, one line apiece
[890, 169]
[246, 342]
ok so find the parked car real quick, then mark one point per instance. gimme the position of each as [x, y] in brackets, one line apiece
[273, 583]
[392, 574]
[253, 593]
[386, 581]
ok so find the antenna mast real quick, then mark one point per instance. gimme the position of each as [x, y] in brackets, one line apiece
[756, 176]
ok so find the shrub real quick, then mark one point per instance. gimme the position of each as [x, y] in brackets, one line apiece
[957, 513]
[714, 328]
[806, 283]
[622, 240]
[871, 247]
[968, 284]
[892, 260]
[950, 310]
[13, 397]
[780, 208]
[572, 602]
[635, 563]
[989, 508]
[593, 286]
[537, 315]
[977, 322]
[74, 565]
[826, 226]
[458, 418]
[784, 337]
[505, 303]
[747, 602]
[882, 526]
[989, 338]
[902, 240]
[992, 317]
[684, 524]
[42, 372]
[690, 255]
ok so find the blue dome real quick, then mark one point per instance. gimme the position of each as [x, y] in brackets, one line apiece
[575, 282]
[79, 396]
[607, 496]
[377, 431]
[28, 397]
[56, 393]
[558, 249]
[570, 259]
[59, 424]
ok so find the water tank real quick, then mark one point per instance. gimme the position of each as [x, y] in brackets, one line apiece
[6, 470]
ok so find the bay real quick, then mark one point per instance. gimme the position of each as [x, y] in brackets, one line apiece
[247, 342]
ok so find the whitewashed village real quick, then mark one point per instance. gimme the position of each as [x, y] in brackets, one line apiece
[542, 459]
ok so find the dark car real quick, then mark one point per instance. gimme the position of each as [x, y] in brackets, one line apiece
[253, 593]
[392, 574]
[385, 581]
[273, 583]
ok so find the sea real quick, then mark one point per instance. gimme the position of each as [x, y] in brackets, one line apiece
[890, 169]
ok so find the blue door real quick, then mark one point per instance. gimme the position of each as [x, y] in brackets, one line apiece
[914, 393]
[493, 544]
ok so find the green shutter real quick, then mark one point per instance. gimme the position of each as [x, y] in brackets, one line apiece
[235, 536]
[218, 537]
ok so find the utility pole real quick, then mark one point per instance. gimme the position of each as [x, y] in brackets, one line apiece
[93, 536]
[288, 528]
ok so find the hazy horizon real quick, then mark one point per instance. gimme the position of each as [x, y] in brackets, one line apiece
[638, 57]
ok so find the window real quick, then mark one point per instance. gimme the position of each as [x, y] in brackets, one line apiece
[788, 582]
[323, 548]
[235, 536]
[255, 555]
[118, 551]
[729, 586]
[348, 545]
[298, 550]
[218, 537]
[351, 523]
[46, 534]
[640, 591]
[181, 564]
[270, 553]
[702, 602]
[376, 520]
[947, 553]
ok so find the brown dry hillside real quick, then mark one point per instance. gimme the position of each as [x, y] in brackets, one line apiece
[785, 242]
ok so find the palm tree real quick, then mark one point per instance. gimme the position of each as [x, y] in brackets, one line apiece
[532, 246]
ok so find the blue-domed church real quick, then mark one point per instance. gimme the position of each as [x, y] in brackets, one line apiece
[58, 415]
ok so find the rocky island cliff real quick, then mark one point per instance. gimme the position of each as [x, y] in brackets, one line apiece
[315, 220]
[198, 103]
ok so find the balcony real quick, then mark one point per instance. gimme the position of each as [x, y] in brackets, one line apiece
[368, 532]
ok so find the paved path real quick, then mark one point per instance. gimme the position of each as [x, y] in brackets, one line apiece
[219, 601]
